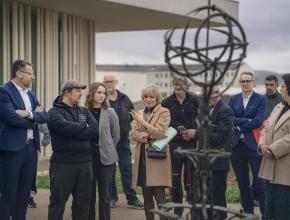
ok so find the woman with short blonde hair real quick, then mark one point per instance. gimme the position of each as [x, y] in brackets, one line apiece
[152, 90]
[153, 175]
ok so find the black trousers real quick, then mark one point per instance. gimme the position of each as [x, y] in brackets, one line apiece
[219, 186]
[102, 174]
[178, 163]
[66, 179]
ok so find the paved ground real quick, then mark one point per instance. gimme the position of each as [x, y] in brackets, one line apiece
[119, 213]
[42, 199]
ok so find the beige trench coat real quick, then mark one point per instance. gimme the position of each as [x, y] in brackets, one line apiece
[277, 134]
[158, 172]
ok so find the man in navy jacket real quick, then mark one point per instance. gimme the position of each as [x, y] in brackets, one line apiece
[249, 111]
[20, 113]
[221, 120]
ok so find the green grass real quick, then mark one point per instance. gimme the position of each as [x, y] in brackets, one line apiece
[138, 105]
[232, 194]
[43, 182]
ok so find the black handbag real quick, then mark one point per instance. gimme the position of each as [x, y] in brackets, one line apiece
[156, 154]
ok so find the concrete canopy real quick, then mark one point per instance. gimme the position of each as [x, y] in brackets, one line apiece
[132, 15]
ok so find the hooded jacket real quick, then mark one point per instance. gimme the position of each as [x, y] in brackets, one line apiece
[71, 129]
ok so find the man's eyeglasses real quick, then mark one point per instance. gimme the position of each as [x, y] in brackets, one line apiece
[26, 72]
[110, 82]
[246, 81]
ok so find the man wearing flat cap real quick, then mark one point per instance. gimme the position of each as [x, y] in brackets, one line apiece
[71, 127]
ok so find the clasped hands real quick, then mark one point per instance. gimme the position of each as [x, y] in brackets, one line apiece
[26, 114]
[188, 134]
[266, 151]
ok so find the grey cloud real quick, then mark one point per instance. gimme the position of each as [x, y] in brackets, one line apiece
[266, 23]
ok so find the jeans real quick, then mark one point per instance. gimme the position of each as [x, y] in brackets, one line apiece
[125, 165]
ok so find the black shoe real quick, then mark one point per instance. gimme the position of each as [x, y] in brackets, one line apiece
[137, 204]
[32, 203]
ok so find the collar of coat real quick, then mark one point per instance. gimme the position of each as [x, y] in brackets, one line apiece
[276, 114]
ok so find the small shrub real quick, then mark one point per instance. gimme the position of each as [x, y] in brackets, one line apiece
[233, 194]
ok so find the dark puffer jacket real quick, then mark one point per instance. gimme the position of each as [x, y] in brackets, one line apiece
[71, 129]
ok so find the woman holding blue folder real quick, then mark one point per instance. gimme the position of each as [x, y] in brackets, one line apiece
[153, 175]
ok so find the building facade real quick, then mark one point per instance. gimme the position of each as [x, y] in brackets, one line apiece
[58, 36]
[132, 78]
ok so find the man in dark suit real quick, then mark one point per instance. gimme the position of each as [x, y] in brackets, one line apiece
[249, 112]
[20, 112]
[220, 134]
[221, 121]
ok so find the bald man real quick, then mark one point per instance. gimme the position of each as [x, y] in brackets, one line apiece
[122, 106]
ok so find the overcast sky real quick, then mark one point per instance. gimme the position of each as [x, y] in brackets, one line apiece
[266, 23]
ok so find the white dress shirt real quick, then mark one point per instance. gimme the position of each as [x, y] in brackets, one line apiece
[245, 103]
[28, 107]
[246, 100]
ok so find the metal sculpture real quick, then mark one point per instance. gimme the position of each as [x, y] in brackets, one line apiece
[214, 59]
